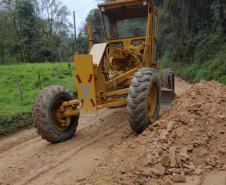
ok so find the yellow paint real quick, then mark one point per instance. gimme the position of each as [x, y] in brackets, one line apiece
[116, 103]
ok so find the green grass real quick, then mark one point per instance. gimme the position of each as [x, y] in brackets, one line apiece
[27, 75]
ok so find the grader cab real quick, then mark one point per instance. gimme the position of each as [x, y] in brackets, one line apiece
[124, 71]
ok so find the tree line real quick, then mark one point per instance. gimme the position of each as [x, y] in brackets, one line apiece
[39, 30]
[35, 31]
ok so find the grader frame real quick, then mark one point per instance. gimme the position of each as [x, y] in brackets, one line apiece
[105, 98]
[123, 71]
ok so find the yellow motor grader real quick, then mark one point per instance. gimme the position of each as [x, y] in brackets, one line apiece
[124, 71]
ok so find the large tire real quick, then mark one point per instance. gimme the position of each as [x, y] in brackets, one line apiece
[45, 104]
[145, 82]
[168, 79]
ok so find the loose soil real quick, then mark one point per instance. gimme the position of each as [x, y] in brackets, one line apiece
[185, 146]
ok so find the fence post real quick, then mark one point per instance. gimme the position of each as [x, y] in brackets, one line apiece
[5, 52]
[39, 81]
[19, 90]
[69, 69]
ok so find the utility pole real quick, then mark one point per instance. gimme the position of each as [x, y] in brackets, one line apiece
[74, 25]
[75, 31]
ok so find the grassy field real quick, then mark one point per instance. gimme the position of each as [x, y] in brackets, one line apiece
[28, 77]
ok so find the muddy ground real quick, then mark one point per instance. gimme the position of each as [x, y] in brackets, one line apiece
[103, 148]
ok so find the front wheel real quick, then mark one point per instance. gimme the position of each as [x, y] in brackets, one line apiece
[144, 99]
[47, 115]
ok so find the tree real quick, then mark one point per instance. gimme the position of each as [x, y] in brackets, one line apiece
[25, 23]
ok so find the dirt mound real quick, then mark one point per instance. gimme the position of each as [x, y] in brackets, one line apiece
[188, 139]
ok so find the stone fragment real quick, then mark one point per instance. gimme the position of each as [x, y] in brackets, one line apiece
[222, 150]
[190, 148]
[198, 171]
[163, 134]
[167, 181]
[178, 178]
[165, 160]
[224, 167]
[202, 152]
[184, 154]
[189, 166]
[180, 132]
[173, 160]
[170, 126]
[149, 159]
[147, 172]
[158, 170]
[81, 179]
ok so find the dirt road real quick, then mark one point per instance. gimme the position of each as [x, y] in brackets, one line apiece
[26, 159]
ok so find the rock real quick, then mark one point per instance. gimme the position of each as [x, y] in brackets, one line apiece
[202, 152]
[178, 178]
[184, 154]
[153, 183]
[188, 171]
[159, 170]
[174, 171]
[183, 120]
[198, 171]
[165, 160]
[147, 172]
[202, 141]
[180, 132]
[167, 181]
[163, 134]
[170, 126]
[190, 148]
[224, 167]
[223, 117]
[149, 159]
[122, 170]
[222, 150]
[80, 180]
[189, 166]
[173, 160]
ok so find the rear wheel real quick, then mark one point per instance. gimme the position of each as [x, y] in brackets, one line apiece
[144, 99]
[168, 79]
[47, 115]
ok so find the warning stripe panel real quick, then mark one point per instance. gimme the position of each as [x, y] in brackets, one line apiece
[90, 78]
[93, 102]
[79, 79]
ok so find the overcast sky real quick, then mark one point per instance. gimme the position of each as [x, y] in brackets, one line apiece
[82, 8]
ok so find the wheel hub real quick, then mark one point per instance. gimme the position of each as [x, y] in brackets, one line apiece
[60, 120]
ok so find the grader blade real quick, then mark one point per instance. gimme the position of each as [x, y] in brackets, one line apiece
[168, 96]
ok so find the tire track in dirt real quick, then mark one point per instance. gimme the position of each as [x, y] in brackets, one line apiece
[60, 165]
[32, 159]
